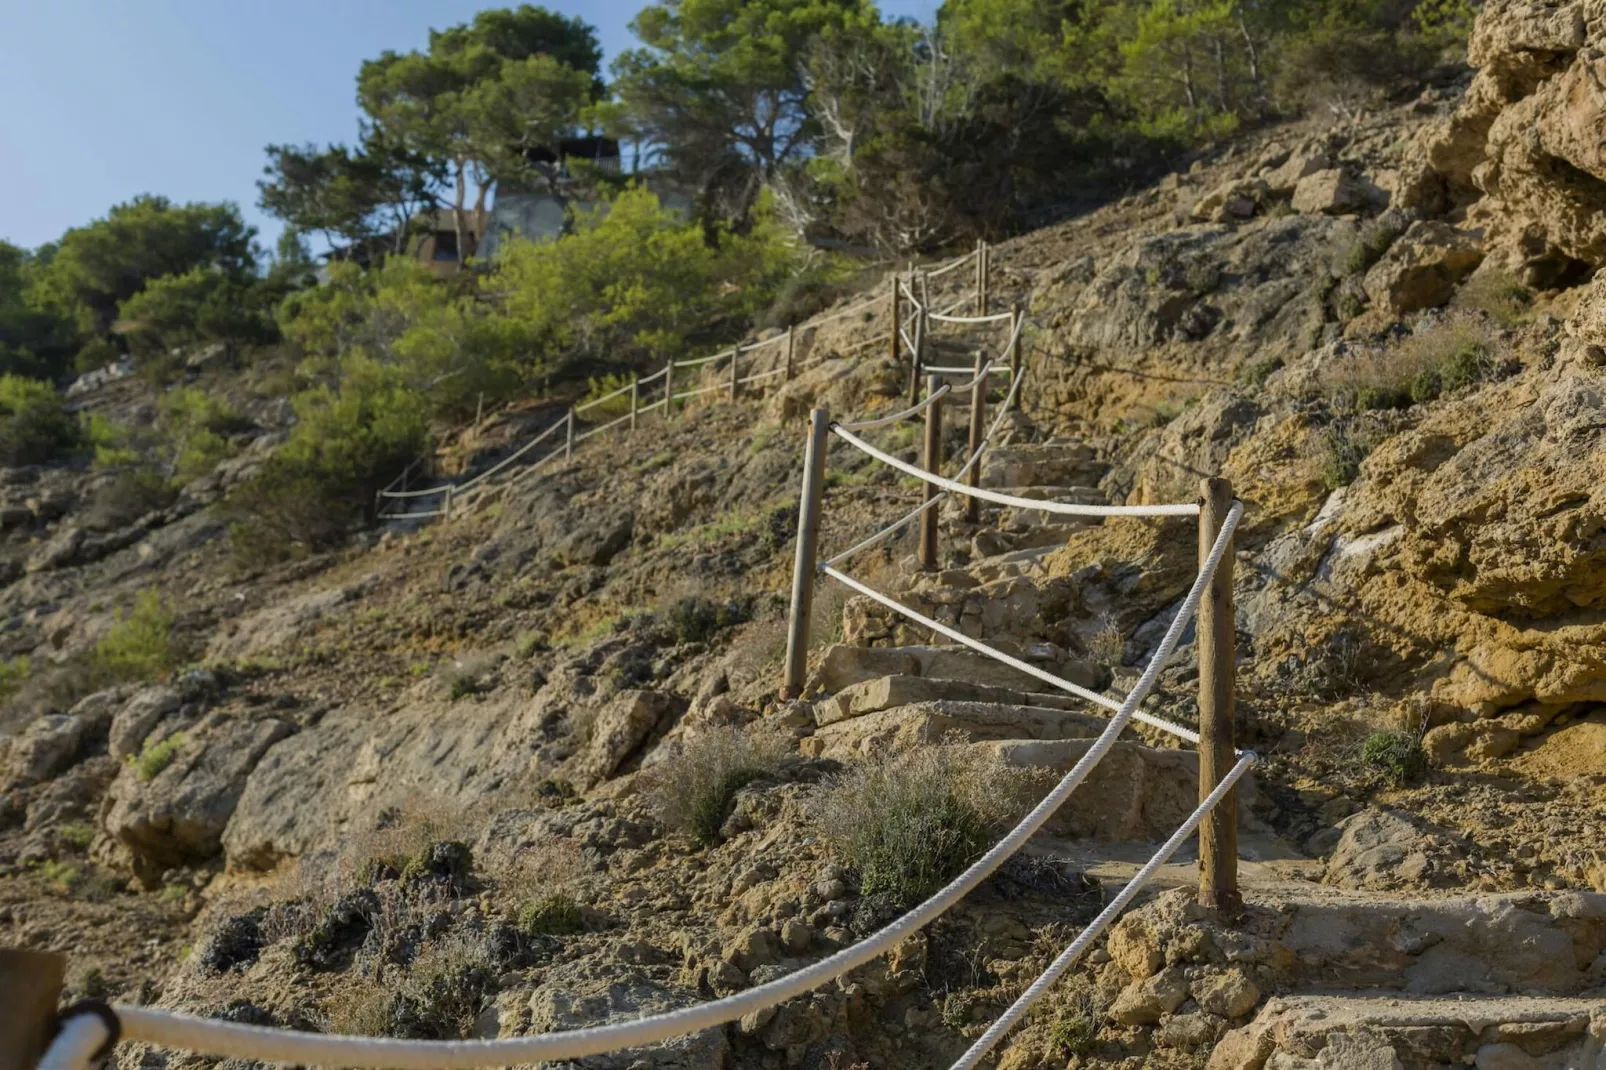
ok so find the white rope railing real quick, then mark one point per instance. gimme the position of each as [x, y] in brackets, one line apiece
[422, 493]
[1017, 1010]
[604, 399]
[600, 428]
[961, 262]
[997, 317]
[1064, 508]
[207, 1036]
[515, 455]
[903, 414]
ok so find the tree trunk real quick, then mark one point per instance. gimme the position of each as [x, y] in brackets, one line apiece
[1254, 56]
[460, 194]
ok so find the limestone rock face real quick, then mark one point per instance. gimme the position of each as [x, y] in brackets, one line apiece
[1331, 192]
[620, 729]
[1422, 268]
[1527, 136]
[179, 813]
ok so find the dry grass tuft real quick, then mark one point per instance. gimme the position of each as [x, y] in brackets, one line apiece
[912, 822]
[693, 788]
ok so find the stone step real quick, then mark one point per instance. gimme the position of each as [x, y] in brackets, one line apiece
[886, 692]
[901, 727]
[1316, 938]
[843, 664]
[1041, 464]
[1366, 1030]
[1136, 793]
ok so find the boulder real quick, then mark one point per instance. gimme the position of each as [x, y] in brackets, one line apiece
[1231, 200]
[1383, 849]
[1230, 994]
[178, 815]
[1147, 1001]
[1331, 192]
[46, 747]
[1421, 269]
[141, 713]
[61, 550]
[619, 730]
[1299, 166]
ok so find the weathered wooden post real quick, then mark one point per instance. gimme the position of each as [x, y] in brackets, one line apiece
[981, 276]
[931, 460]
[669, 387]
[736, 358]
[896, 348]
[791, 351]
[446, 506]
[978, 412]
[918, 361]
[1218, 832]
[635, 397]
[30, 987]
[808, 544]
[568, 438]
[1014, 353]
[479, 410]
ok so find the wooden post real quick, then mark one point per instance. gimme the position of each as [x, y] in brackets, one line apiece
[479, 410]
[919, 359]
[736, 357]
[635, 397]
[791, 350]
[1218, 832]
[808, 542]
[1014, 353]
[978, 410]
[896, 349]
[981, 277]
[669, 387]
[931, 460]
[30, 987]
[568, 438]
[446, 506]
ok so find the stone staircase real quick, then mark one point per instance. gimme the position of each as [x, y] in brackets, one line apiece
[1310, 976]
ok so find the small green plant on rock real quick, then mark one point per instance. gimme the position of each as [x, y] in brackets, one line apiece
[1072, 1034]
[155, 757]
[1397, 755]
[692, 790]
[552, 915]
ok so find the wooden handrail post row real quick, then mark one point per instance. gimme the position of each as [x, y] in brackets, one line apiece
[30, 987]
[981, 276]
[931, 460]
[791, 351]
[919, 359]
[669, 387]
[635, 397]
[808, 544]
[736, 359]
[1015, 331]
[978, 412]
[896, 346]
[1218, 832]
[568, 438]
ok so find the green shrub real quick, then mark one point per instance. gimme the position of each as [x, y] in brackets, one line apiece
[77, 834]
[131, 494]
[34, 425]
[1507, 301]
[1370, 244]
[1257, 372]
[141, 645]
[13, 673]
[692, 790]
[349, 442]
[1343, 448]
[1072, 1034]
[154, 757]
[695, 619]
[1397, 755]
[909, 824]
[1449, 355]
[552, 915]
[602, 387]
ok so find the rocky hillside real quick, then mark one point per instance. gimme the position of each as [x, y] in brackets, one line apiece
[445, 760]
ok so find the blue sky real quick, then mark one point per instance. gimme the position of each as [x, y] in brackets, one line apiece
[106, 99]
